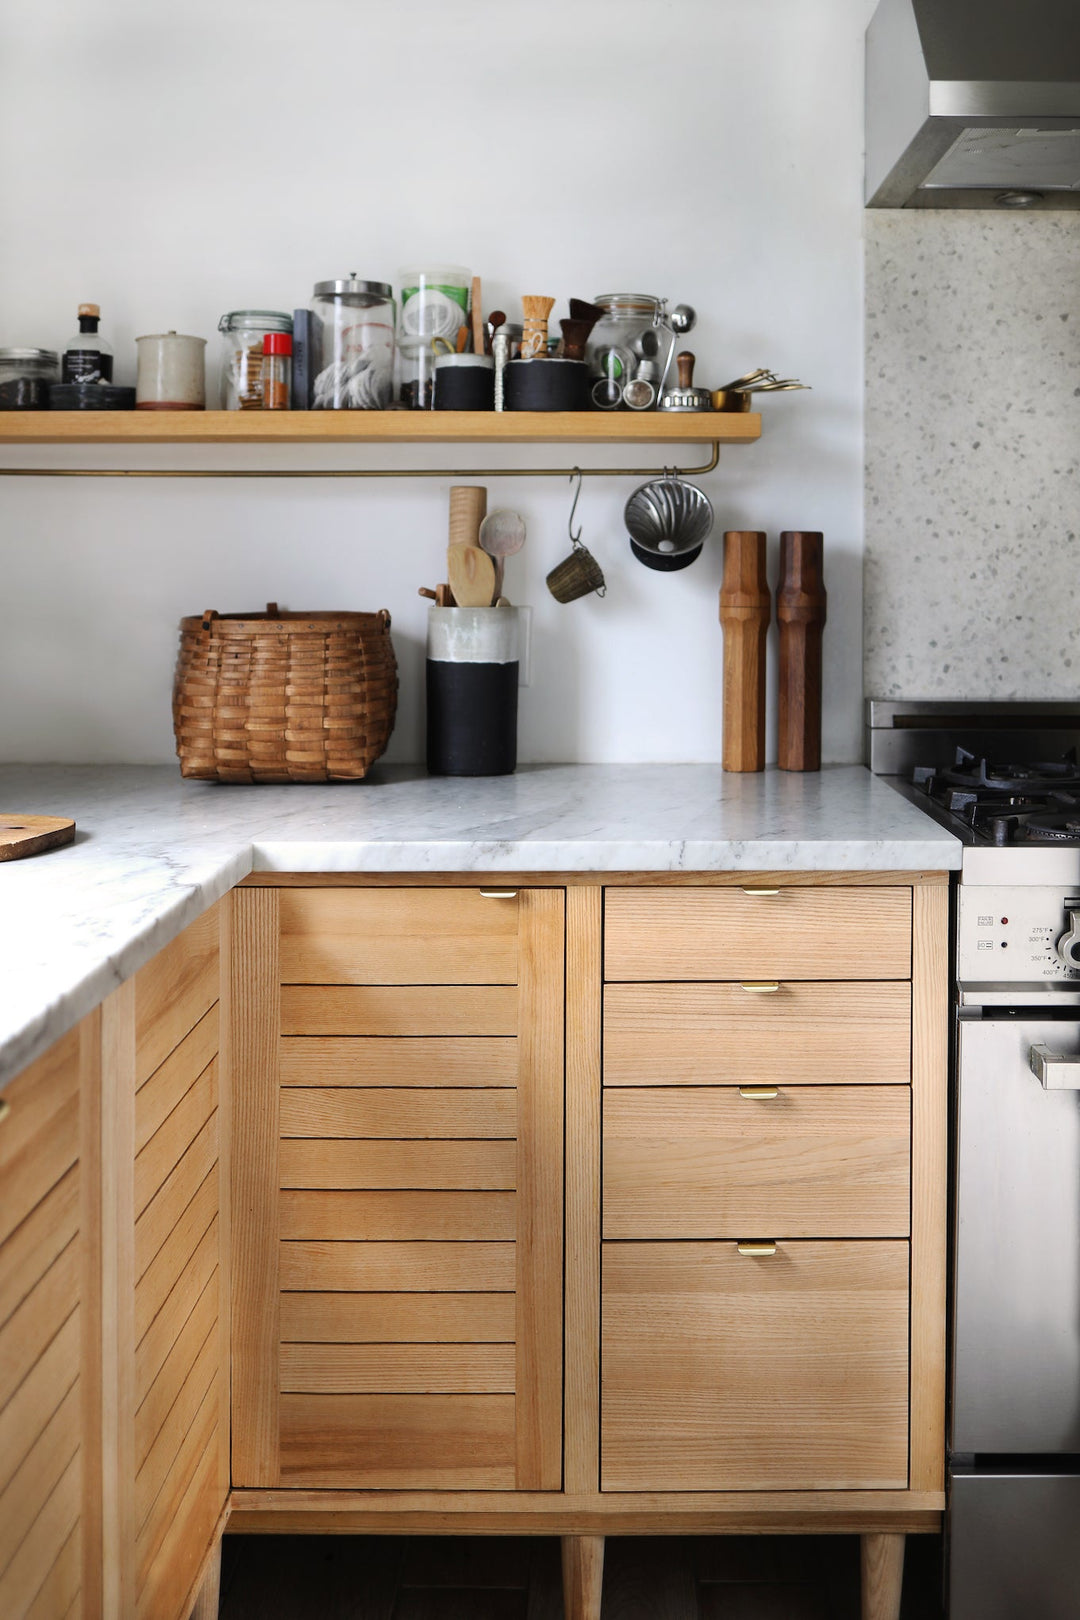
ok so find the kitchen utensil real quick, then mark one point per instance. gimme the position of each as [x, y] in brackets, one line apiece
[424, 590]
[477, 315]
[468, 508]
[724, 399]
[534, 339]
[668, 521]
[579, 574]
[683, 319]
[745, 610]
[502, 534]
[686, 397]
[582, 310]
[32, 835]
[575, 335]
[496, 319]
[800, 613]
[472, 576]
[461, 340]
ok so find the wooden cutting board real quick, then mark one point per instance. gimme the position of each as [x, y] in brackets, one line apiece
[30, 835]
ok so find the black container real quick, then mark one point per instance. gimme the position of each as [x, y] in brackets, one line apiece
[472, 691]
[468, 385]
[79, 396]
[546, 385]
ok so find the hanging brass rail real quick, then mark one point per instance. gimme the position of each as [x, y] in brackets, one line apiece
[361, 472]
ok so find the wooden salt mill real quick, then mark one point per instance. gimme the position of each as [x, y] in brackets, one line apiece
[800, 613]
[745, 610]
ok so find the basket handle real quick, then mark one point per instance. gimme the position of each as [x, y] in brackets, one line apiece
[383, 617]
[208, 616]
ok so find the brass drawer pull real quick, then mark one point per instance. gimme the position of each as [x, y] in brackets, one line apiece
[761, 989]
[756, 1249]
[759, 1093]
[499, 894]
[5, 1109]
[761, 891]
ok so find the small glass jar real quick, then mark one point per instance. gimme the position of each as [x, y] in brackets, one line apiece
[354, 345]
[634, 339]
[242, 332]
[276, 371]
[25, 378]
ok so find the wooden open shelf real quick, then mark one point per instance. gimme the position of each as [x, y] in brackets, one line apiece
[377, 427]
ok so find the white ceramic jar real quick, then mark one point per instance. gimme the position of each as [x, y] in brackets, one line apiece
[171, 372]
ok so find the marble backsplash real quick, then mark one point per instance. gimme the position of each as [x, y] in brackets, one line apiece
[972, 566]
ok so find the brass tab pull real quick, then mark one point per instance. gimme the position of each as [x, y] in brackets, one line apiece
[499, 894]
[759, 1093]
[5, 1109]
[761, 891]
[758, 1250]
[761, 989]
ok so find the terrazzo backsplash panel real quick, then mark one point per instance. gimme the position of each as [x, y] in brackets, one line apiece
[972, 564]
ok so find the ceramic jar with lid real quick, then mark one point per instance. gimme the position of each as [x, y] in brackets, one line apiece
[171, 372]
[353, 345]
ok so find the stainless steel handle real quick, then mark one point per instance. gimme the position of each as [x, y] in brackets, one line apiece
[499, 894]
[759, 1093]
[757, 1250]
[761, 891]
[1054, 1070]
[762, 989]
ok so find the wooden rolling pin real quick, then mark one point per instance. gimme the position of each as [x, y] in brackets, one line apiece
[745, 610]
[800, 613]
[468, 509]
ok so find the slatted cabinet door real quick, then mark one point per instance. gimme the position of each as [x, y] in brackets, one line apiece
[179, 1371]
[43, 1311]
[415, 1336]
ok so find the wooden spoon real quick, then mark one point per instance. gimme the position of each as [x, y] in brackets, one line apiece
[472, 576]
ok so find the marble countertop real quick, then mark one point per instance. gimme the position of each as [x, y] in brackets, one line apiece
[152, 851]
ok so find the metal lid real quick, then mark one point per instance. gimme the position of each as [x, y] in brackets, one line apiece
[42, 356]
[353, 287]
[640, 300]
[262, 320]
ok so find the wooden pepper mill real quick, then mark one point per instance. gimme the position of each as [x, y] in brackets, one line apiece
[800, 613]
[745, 610]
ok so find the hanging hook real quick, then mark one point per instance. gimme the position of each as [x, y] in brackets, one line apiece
[575, 539]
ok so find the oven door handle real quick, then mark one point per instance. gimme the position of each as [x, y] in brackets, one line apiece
[1054, 1070]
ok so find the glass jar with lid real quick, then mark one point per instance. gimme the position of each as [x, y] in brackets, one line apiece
[353, 345]
[25, 378]
[242, 332]
[633, 342]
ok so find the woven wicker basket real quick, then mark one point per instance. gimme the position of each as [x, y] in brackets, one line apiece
[284, 697]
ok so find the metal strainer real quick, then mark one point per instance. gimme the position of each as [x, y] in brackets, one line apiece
[668, 521]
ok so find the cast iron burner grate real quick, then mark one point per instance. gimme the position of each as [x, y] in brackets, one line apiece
[981, 775]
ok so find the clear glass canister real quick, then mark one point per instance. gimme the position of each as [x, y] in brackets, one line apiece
[25, 375]
[354, 345]
[242, 332]
[633, 341]
[434, 304]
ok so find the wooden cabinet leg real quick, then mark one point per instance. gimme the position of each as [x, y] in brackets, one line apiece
[209, 1599]
[583, 1576]
[882, 1576]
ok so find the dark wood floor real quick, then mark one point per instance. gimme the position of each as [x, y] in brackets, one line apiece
[510, 1578]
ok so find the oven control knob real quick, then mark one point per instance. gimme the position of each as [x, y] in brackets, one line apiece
[1068, 946]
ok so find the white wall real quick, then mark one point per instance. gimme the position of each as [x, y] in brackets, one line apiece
[174, 160]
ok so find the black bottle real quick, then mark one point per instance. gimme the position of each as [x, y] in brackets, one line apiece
[87, 356]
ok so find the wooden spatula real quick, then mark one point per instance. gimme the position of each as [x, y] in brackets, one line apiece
[472, 576]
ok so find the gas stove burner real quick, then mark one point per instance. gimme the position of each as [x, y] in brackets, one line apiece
[1037, 777]
[1063, 828]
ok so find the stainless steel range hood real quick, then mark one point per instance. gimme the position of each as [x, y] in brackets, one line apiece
[973, 104]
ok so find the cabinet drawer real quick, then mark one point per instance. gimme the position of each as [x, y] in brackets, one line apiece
[723, 1034]
[794, 933]
[723, 1371]
[812, 1161]
[397, 936]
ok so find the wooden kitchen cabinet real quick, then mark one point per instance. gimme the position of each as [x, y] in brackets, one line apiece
[401, 1320]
